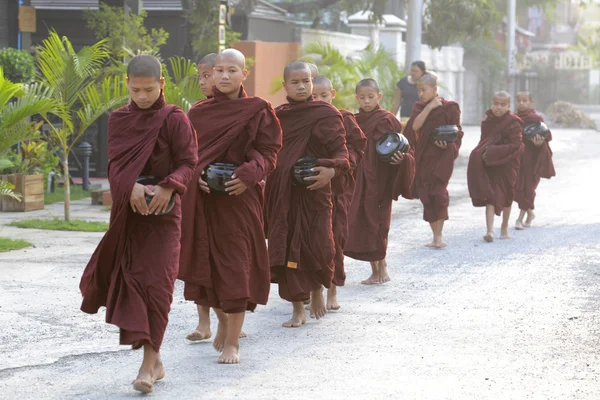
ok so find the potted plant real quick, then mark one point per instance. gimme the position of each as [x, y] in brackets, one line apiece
[23, 173]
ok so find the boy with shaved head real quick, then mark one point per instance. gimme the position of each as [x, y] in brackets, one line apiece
[133, 270]
[342, 186]
[494, 164]
[301, 246]
[224, 260]
[434, 159]
[206, 67]
[378, 183]
[536, 162]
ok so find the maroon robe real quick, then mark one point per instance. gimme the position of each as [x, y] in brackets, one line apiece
[493, 181]
[133, 270]
[536, 163]
[343, 191]
[434, 166]
[224, 259]
[301, 246]
[377, 184]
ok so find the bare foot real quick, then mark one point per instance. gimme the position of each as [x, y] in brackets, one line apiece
[143, 383]
[200, 333]
[159, 371]
[438, 243]
[489, 237]
[219, 342]
[242, 334]
[231, 355]
[530, 218]
[430, 245]
[372, 280]
[504, 233]
[296, 321]
[519, 225]
[332, 302]
[317, 304]
[383, 272]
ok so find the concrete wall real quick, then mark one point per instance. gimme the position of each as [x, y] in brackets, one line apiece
[268, 30]
[347, 44]
[270, 58]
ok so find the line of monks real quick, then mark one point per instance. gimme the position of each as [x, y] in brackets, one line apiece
[214, 241]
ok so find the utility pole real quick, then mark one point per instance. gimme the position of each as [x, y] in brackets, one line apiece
[413, 33]
[510, 48]
[222, 22]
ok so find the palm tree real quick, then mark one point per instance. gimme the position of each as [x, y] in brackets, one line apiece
[71, 79]
[18, 102]
[182, 89]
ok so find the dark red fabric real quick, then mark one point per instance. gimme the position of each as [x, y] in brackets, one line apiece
[343, 191]
[301, 247]
[377, 184]
[224, 259]
[536, 163]
[434, 166]
[493, 181]
[133, 270]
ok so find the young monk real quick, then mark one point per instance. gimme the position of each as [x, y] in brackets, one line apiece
[301, 247]
[206, 67]
[434, 159]
[494, 164]
[224, 260]
[342, 186]
[377, 184]
[536, 162]
[133, 270]
[314, 71]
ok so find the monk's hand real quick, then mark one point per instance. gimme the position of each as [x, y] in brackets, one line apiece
[322, 179]
[203, 185]
[137, 201]
[441, 144]
[397, 158]
[435, 103]
[235, 186]
[538, 140]
[160, 200]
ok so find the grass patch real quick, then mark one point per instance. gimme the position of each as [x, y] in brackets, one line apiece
[61, 225]
[77, 193]
[7, 244]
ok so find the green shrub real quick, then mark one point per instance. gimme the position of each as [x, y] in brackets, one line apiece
[18, 65]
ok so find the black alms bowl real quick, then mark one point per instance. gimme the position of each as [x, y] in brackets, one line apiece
[302, 169]
[537, 128]
[148, 180]
[390, 143]
[446, 133]
[218, 174]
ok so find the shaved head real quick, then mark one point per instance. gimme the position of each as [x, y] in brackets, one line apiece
[232, 55]
[144, 66]
[323, 81]
[502, 95]
[525, 93]
[294, 66]
[209, 59]
[314, 71]
[428, 79]
[369, 82]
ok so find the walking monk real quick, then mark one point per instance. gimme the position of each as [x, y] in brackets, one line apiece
[377, 184]
[342, 186]
[434, 159]
[133, 270]
[301, 247]
[536, 162]
[206, 67]
[224, 259]
[494, 164]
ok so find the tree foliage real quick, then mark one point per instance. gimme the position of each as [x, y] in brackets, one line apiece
[124, 32]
